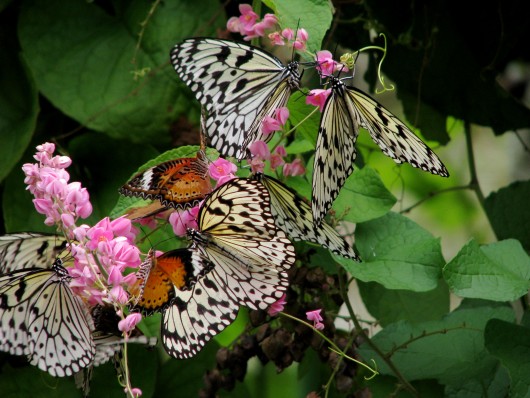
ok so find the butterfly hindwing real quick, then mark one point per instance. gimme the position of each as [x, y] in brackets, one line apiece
[50, 323]
[334, 153]
[293, 215]
[238, 84]
[198, 312]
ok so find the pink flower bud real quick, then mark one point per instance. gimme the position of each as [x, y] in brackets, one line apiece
[130, 322]
[260, 149]
[318, 98]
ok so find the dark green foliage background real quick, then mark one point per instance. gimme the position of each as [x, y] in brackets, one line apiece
[76, 73]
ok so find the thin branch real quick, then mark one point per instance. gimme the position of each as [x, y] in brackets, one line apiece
[433, 194]
[360, 330]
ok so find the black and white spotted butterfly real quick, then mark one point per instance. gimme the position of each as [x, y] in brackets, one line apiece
[293, 215]
[345, 111]
[240, 257]
[42, 318]
[238, 84]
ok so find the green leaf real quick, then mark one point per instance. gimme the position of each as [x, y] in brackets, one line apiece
[389, 306]
[499, 271]
[307, 115]
[450, 350]
[509, 213]
[19, 108]
[312, 15]
[511, 344]
[496, 384]
[364, 197]
[397, 253]
[81, 58]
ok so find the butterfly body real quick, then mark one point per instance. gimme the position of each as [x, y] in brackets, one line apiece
[345, 111]
[238, 85]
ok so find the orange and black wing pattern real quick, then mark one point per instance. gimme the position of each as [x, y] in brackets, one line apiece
[160, 276]
[178, 184]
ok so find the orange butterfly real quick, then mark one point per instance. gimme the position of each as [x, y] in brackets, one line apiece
[160, 276]
[178, 184]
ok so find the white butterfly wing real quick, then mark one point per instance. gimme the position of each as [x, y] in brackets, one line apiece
[394, 138]
[238, 84]
[29, 250]
[293, 215]
[197, 314]
[42, 318]
[334, 154]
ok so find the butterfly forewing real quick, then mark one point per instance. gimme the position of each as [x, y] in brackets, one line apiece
[334, 153]
[293, 215]
[29, 250]
[179, 183]
[395, 139]
[238, 84]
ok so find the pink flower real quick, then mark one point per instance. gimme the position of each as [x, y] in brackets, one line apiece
[326, 65]
[233, 25]
[277, 307]
[276, 39]
[318, 97]
[277, 157]
[316, 318]
[181, 221]
[259, 149]
[257, 165]
[295, 168]
[301, 39]
[269, 21]
[288, 34]
[118, 295]
[130, 322]
[222, 170]
[136, 392]
[270, 125]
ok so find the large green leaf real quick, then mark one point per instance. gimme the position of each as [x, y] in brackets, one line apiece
[18, 107]
[389, 306]
[509, 213]
[81, 59]
[511, 344]
[312, 15]
[450, 350]
[397, 253]
[499, 271]
[363, 197]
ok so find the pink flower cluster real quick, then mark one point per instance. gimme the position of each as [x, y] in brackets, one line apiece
[318, 97]
[102, 258]
[261, 153]
[61, 202]
[247, 23]
[287, 35]
[249, 27]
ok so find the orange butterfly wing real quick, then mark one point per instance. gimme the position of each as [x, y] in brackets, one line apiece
[179, 184]
[160, 276]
